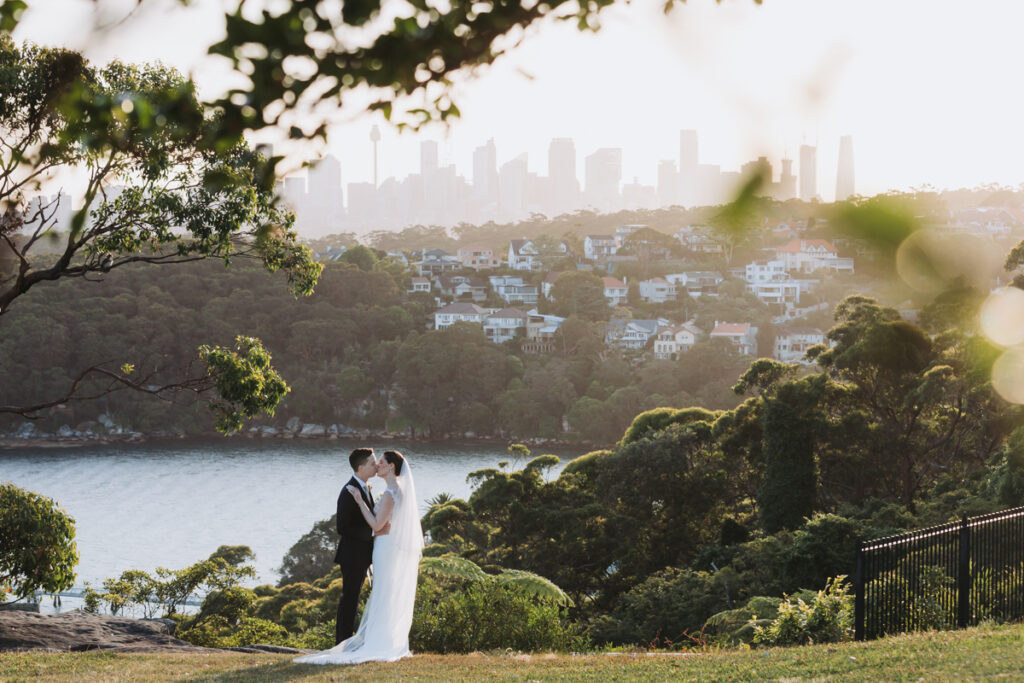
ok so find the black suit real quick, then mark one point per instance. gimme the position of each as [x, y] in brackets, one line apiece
[355, 553]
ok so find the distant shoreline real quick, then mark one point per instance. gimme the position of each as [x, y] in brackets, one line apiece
[9, 442]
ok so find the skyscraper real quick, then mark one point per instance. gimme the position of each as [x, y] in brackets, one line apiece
[762, 167]
[603, 171]
[844, 175]
[564, 185]
[513, 182]
[485, 172]
[668, 184]
[428, 157]
[325, 204]
[689, 175]
[808, 172]
[787, 182]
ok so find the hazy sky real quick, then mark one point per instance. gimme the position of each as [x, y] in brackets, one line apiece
[928, 89]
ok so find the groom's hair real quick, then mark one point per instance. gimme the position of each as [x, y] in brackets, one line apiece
[396, 459]
[359, 456]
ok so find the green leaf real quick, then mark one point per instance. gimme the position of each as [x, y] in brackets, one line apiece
[452, 567]
[536, 584]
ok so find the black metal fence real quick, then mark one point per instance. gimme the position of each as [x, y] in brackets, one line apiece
[947, 576]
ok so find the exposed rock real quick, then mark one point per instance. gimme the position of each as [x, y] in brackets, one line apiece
[313, 430]
[79, 631]
[65, 431]
[26, 430]
[293, 424]
[105, 420]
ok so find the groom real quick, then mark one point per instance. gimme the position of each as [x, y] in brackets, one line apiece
[355, 548]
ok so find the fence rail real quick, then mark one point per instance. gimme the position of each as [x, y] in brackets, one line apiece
[947, 576]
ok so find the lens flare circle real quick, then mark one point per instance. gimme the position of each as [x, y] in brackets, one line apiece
[1008, 375]
[1002, 316]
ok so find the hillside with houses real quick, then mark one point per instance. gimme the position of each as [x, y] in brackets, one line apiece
[556, 329]
[669, 286]
[511, 293]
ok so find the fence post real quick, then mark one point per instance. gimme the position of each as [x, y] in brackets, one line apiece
[858, 600]
[963, 579]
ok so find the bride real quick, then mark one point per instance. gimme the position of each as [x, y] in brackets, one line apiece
[383, 634]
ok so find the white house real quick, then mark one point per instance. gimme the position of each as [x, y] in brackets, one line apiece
[477, 258]
[807, 256]
[474, 288]
[765, 271]
[784, 292]
[624, 231]
[743, 335]
[505, 324]
[540, 332]
[673, 340]
[769, 282]
[631, 334]
[791, 343]
[695, 238]
[419, 284]
[657, 290]
[599, 246]
[615, 291]
[513, 290]
[458, 312]
[446, 283]
[524, 255]
[696, 282]
[549, 283]
[435, 262]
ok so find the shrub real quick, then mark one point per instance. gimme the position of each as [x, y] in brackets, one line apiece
[269, 608]
[253, 631]
[825, 546]
[37, 544]
[216, 632]
[232, 603]
[827, 619]
[663, 609]
[297, 616]
[488, 614]
[905, 606]
[166, 592]
[737, 625]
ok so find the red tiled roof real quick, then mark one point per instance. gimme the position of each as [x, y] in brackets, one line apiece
[612, 282]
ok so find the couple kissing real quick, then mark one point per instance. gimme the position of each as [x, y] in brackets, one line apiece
[386, 535]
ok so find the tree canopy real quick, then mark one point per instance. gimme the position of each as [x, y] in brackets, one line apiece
[160, 189]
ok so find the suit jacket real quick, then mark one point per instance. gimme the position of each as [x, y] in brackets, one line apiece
[356, 543]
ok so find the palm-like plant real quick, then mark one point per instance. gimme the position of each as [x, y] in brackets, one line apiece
[452, 566]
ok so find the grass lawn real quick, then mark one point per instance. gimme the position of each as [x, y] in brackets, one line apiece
[984, 652]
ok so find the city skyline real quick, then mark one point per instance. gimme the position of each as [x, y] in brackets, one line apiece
[756, 80]
[444, 194]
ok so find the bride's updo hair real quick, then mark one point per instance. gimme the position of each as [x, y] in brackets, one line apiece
[396, 459]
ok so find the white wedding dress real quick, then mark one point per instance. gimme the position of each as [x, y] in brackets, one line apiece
[383, 633]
